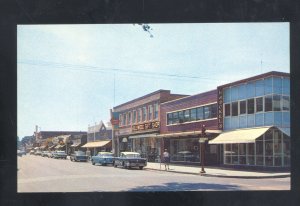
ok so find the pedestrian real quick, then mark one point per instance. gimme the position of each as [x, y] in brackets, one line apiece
[166, 157]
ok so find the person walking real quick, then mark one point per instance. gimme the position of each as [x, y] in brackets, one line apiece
[166, 157]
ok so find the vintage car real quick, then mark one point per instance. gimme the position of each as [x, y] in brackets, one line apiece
[129, 160]
[38, 152]
[19, 153]
[31, 152]
[79, 156]
[103, 158]
[59, 155]
[44, 154]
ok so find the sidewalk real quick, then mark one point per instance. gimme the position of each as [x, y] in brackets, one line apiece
[216, 172]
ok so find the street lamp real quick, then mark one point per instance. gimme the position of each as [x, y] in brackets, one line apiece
[202, 140]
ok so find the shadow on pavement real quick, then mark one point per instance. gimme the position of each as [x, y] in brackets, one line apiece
[174, 186]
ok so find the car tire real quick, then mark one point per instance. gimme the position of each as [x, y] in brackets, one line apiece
[114, 165]
[141, 167]
[93, 163]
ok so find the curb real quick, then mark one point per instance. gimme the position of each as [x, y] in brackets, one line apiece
[224, 176]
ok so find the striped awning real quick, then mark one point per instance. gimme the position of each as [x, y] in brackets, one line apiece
[96, 144]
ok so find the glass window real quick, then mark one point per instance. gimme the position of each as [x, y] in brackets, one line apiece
[242, 91]
[193, 114]
[226, 95]
[286, 86]
[227, 110]
[243, 121]
[234, 107]
[234, 93]
[286, 119]
[214, 110]
[139, 117]
[129, 118]
[144, 113]
[268, 85]
[242, 149]
[227, 123]
[150, 108]
[235, 149]
[259, 88]
[269, 119]
[234, 122]
[170, 118]
[187, 115]
[250, 90]
[250, 120]
[259, 119]
[175, 118]
[276, 102]
[155, 110]
[269, 148]
[285, 103]
[250, 106]
[134, 117]
[277, 85]
[268, 103]
[259, 148]
[269, 135]
[277, 142]
[243, 107]
[250, 148]
[200, 114]
[124, 119]
[120, 120]
[207, 112]
[277, 118]
[180, 116]
[259, 104]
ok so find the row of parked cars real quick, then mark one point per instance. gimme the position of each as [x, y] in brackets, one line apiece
[126, 159]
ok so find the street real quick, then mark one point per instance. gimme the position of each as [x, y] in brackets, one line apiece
[42, 174]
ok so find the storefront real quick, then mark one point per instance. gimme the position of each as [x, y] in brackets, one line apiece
[98, 146]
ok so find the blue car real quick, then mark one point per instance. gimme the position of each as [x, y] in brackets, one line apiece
[103, 158]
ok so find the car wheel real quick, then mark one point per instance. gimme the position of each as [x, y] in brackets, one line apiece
[140, 167]
[114, 165]
[93, 163]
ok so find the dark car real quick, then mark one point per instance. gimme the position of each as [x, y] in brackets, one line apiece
[79, 156]
[129, 160]
[59, 155]
[103, 158]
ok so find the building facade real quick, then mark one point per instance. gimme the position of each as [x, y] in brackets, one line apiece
[254, 114]
[139, 124]
[181, 124]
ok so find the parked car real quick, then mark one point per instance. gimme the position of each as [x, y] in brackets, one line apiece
[59, 155]
[129, 160]
[19, 153]
[44, 154]
[103, 158]
[79, 156]
[51, 154]
[38, 152]
[31, 152]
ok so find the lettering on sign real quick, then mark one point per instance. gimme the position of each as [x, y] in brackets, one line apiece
[220, 108]
[145, 126]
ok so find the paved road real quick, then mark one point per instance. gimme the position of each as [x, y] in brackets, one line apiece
[42, 174]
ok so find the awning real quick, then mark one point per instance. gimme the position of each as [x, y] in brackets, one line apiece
[182, 134]
[143, 136]
[43, 147]
[59, 146]
[285, 130]
[96, 144]
[239, 136]
[52, 146]
[75, 145]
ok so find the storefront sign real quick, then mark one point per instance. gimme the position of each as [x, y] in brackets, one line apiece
[220, 108]
[145, 126]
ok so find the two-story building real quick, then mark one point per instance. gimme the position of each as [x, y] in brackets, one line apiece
[254, 114]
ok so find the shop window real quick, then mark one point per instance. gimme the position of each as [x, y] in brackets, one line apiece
[277, 143]
[269, 118]
[286, 86]
[268, 103]
[285, 103]
[235, 149]
[259, 104]
[200, 114]
[259, 88]
[269, 148]
[242, 107]
[228, 160]
[269, 135]
[227, 110]
[193, 114]
[259, 119]
[277, 161]
[242, 160]
[242, 91]
[170, 118]
[187, 115]
[269, 160]
[175, 118]
[250, 90]
[259, 146]
[150, 114]
[234, 107]
[181, 117]
[276, 102]
[235, 160]
[259, 160]
[242, 149]
[227, 95]
[250, 106]
[268, 85]
[250, 148]
[277, 85]
[250, 160]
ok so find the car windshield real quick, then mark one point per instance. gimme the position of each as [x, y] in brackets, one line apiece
[60, 151]
[132, 155]
[107, 155]
[80, 153]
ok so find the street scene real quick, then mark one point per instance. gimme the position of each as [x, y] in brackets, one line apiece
[126, 107]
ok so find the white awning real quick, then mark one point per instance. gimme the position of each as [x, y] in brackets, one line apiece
[239, 136]
[96, 144]
[143, 136]
[75, 145]
[182, 134]
[285, 130]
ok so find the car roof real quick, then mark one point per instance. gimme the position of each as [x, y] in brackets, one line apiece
[126, 153]
[105, 153]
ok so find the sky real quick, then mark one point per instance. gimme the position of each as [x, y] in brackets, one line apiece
[70, 76]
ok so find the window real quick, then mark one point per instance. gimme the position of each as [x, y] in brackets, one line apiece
[242, 91]
[286, 86]
[187, 115]
[250, 106]
[259, 104]
[150, 112]
[227, 110]
[250, 89]
[214, 110]
[124, 120]
[193, 114]
[207, 112]
[268, 103]
[259, 88]
[134, 117]
[175, 118]
[129, 118]
[234, 93]
[277, 85]
[243, 107]
[200, 114]
[268, 85]
[285, 103]
[180, 117]
[144, 113]
[276, 102]
[234, 107]
[226, 95]
[155, 110]
[170, 118]
[139, 115]
[120, 120]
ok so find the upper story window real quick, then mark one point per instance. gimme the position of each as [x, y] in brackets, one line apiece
[227, 110]
[156, 111]
[139, 115]
[193, 114]
[124, 120]
[187, 115]
[150, 114]
[144, 114]
[234, 107]
[129, 118]
[134, 117]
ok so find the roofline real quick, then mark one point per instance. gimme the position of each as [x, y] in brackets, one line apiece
[264, 75]
[142, 97]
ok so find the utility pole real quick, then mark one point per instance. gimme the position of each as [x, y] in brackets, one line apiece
[95, 138]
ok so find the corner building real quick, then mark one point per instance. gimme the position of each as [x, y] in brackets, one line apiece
[254, 114]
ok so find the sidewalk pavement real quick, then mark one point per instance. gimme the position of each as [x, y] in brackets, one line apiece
[216, 172]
